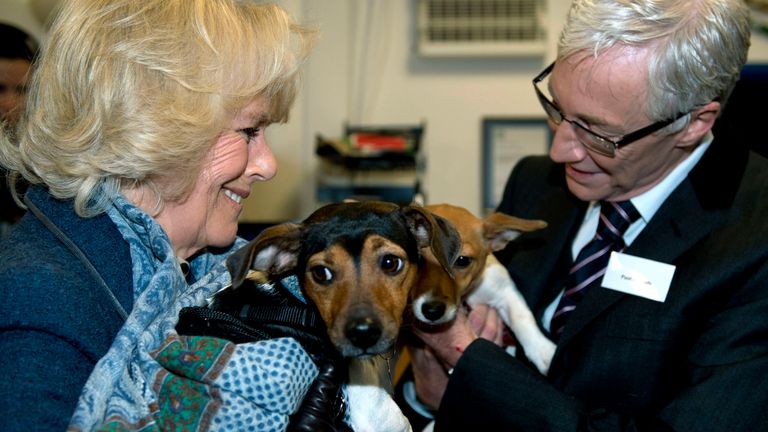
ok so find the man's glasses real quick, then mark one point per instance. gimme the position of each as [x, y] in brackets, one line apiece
[592, 140]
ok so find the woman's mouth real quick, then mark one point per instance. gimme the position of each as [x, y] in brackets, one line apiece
[233, 196]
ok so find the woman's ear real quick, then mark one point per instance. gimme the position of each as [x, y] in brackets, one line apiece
[702, 120]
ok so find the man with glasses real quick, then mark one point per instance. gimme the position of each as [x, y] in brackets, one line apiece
[652, 276]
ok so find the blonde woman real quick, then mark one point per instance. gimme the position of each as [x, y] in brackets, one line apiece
[143, 133]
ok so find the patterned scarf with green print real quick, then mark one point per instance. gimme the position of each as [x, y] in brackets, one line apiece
[152, 378]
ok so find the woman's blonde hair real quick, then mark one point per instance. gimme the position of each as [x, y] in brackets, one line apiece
[131, 93]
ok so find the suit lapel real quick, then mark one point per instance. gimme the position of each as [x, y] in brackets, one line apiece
[534, 260]
[564, 217]
[563, 213]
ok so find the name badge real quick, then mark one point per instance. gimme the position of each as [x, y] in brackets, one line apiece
[638, 276]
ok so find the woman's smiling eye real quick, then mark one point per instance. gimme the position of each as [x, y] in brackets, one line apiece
[250, 133]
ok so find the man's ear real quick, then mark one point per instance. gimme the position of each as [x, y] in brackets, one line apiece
[702, 120]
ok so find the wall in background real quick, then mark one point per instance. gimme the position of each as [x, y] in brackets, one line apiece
[26, 15]
[364, 70]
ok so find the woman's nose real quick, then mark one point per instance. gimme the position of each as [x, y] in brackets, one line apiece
[262, 164]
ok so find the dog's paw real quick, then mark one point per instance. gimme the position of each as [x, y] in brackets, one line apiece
[540, 352]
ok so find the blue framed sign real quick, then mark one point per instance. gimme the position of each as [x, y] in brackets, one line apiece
[506, 141]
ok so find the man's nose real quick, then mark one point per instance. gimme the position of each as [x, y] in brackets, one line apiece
[565, 147]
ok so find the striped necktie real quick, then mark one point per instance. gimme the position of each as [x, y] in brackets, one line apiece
[589, 266]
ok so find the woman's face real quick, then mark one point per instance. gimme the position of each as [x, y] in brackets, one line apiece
[240, 156]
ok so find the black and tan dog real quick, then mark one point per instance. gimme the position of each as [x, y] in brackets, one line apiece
[357, 262]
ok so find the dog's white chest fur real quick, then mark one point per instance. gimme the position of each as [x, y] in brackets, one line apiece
[371, 407]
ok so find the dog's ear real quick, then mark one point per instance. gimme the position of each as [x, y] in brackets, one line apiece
[499, 229]
[436, 233]
[418, 200]
[274, 252]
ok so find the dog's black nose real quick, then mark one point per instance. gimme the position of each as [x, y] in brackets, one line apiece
[433, 310]
[363, 332]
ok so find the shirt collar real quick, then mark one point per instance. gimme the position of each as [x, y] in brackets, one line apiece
[649, 201]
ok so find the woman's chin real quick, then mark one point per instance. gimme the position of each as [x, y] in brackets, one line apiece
[223, 239]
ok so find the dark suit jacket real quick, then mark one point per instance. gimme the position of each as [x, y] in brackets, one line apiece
[698, 361]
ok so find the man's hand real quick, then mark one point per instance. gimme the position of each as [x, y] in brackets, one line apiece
[430, 364]
[430, 378]
[487, 324]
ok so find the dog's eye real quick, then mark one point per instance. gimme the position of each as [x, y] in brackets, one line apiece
[321, 274]
[462, 261]
[392, 264]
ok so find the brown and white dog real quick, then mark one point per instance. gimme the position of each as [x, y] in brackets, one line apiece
[479, 278]
[358, 263]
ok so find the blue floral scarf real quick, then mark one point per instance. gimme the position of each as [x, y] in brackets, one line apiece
[153, 379]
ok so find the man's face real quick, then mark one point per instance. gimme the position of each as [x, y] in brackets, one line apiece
[13, 88]
[608, 95]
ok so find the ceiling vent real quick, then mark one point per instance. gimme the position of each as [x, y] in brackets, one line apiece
[481, 28]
